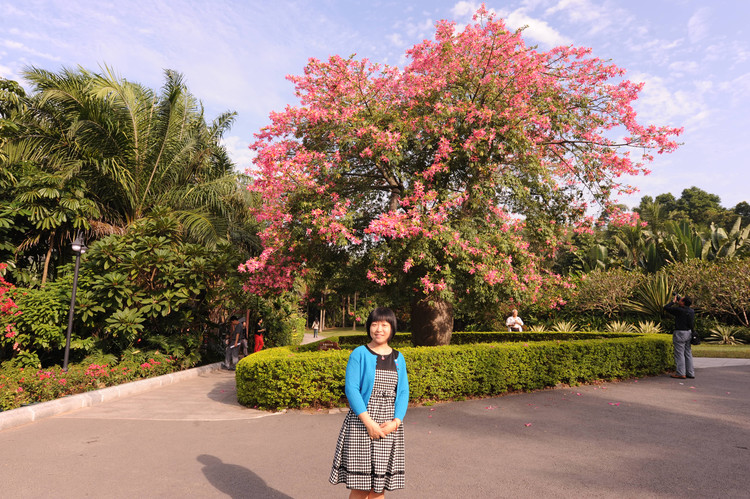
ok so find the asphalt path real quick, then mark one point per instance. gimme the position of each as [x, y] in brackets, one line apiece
[640, 438]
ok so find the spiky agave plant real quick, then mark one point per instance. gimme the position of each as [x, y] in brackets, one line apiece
[648, 327]
[620, 327]
[563, 326]
[724, 335]
[649, 298]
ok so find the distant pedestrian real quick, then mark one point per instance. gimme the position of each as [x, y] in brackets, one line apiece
[514, 323]
[231, 342]
[243, 337]
[260, 330]
[369, 455]
[315, 327]
[684, 322]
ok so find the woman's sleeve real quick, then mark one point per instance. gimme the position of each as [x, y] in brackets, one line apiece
[402, 391]
[353, 382]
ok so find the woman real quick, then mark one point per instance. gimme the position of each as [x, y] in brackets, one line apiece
[260, 330]
[369, 454]
[315, 327]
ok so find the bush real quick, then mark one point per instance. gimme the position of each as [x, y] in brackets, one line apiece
[22, 386]
[39, 328]
[298, 378]
[402, 340]
[605, 292]
[720, 289]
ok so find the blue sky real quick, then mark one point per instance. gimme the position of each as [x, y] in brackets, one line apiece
[693, 55]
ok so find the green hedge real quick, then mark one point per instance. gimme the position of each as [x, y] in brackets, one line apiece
[402, 340]
[294, 378]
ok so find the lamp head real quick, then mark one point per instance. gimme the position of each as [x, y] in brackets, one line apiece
[77, 245]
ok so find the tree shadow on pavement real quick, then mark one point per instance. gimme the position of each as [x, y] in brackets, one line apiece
[235, 480]
[225, 390]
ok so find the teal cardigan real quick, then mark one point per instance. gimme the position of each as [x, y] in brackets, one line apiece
[360, 378]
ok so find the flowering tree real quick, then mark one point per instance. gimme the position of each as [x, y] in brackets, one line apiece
[8, 311]
[453, 178]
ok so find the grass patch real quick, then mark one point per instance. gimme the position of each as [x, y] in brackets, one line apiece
[722, 351]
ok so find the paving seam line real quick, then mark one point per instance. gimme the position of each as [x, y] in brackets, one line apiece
[35, 412]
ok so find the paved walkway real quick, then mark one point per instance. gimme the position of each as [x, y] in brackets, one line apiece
[650, 437]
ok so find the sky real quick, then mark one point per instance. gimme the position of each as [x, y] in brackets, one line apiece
[692, 55]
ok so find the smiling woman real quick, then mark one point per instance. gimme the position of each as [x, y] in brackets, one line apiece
[369, 454]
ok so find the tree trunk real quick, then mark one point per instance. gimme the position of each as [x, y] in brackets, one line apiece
[47, 258]
[431, 322]
[354, 324]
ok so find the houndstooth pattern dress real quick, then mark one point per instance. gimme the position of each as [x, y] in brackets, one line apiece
[366, 464]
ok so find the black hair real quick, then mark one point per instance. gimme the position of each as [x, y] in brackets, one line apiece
[234, 318]
[382, 314]
[687, 301]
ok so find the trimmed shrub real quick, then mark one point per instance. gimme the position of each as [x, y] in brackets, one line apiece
[286, 377]
[402, 340]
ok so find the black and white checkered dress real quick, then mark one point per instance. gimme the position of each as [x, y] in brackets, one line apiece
[366, 464]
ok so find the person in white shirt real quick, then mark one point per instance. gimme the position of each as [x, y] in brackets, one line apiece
[514, 322]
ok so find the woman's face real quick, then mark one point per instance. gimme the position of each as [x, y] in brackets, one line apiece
[380, 332]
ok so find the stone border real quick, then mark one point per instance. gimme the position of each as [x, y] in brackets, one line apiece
[35, 412]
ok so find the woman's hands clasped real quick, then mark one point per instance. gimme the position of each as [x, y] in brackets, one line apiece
[390, 426]
[376, 430]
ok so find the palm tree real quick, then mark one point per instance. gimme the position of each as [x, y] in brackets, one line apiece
[131, 150]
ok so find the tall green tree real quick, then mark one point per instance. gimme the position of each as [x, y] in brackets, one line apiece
[702, 207]
[123, 151]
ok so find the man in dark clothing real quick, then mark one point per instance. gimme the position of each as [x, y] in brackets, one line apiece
[231, 354]
[684, 321]
[242, 327]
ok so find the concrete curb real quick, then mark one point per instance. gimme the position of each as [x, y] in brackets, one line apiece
[29, 414]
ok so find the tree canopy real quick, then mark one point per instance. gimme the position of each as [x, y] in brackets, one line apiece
[453, 177]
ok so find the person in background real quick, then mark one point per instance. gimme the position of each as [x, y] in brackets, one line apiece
[232, 341]
[684, 321]
[315, 328]
[514, 323]
[260, 330]
[243, 337]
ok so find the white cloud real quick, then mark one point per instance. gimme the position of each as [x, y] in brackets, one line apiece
[576, 10]
[464, 10]
[238, 150]
[660, 104]
[698, 25]
[395, 39]
[10, 44]
[598, 17]
[537, 30]
[8, 73]
[420, 30]
[656, 51]
[737, 89]
[684, 66]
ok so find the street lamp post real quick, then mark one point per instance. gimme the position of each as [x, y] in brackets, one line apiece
[78, 248]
